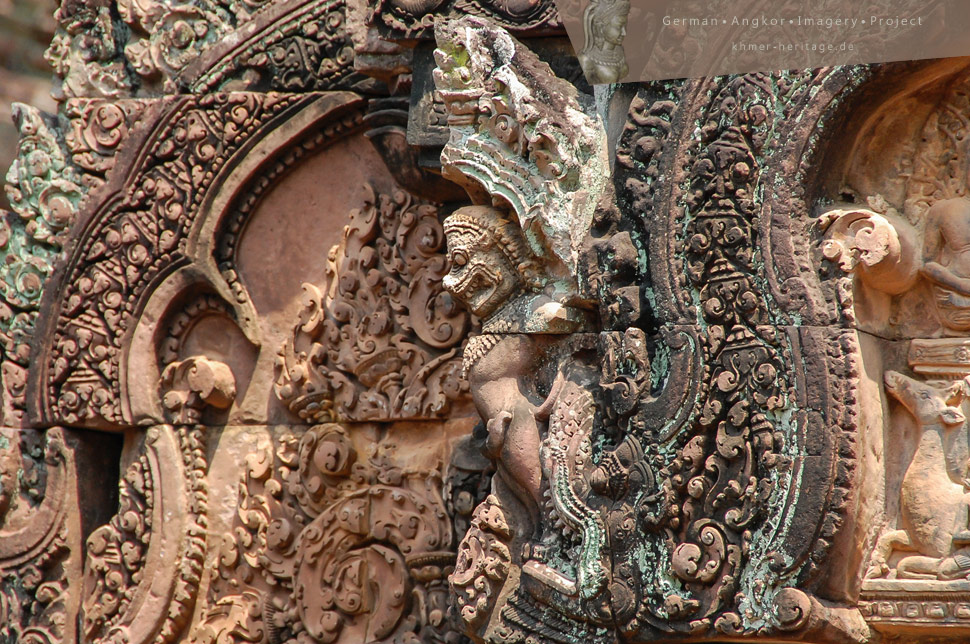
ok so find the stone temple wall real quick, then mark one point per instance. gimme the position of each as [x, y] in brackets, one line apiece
[330, 322]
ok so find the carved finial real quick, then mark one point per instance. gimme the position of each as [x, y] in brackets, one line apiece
[878, 247]
[520, 139]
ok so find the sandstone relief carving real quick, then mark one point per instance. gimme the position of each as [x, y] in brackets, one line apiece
[381, 339]
[934, 489]
[39, 563]
[513, 263]
[907, 261]
[333, 541]
[604, 28]
[143, 568]
[682, 361]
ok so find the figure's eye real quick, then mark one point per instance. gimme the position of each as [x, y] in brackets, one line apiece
[460, 259]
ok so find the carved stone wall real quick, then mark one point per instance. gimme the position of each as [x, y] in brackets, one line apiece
[343, 322]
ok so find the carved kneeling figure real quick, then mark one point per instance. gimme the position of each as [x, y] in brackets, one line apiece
[933, 496]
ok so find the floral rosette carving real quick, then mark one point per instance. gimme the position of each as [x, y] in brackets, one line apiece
[381, 340]
[335, 546]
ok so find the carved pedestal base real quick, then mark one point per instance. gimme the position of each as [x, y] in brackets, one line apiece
[911, 605]
[940, 357]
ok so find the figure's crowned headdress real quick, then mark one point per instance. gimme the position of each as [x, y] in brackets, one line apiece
[483, 227]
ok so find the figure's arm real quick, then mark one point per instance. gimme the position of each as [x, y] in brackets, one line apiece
[932, 236]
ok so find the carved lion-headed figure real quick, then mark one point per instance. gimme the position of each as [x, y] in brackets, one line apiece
[491, 263]
[498, 276]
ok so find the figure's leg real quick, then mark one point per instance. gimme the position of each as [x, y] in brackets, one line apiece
[889, 541]
[956, 566]
[520, 454]
[919, 567]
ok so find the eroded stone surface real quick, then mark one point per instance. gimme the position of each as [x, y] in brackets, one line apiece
[683, 361]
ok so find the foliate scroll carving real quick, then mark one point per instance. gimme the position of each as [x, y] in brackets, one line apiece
[166, 36]
[96, 131]
[43, 186]
[940, 162]
[309, 48]
[333, 544]
[96, 49]
[60, 160]
[483, 564]
[39, 540]
[192, 384]
[875, 245]
[131, 242]
[87, 52]
[706, 443]
[142, 571]
[381, 339]
[700, 500]
[132, 48]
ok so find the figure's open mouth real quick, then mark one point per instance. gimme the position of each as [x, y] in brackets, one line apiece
[476, 287]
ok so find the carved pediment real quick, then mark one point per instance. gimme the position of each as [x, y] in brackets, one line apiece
[680, 361]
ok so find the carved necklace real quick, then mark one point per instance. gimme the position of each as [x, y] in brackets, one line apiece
[477, 348]
[612, 58]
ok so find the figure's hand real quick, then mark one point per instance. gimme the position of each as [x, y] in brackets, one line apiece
[876, 570]
[497, 426]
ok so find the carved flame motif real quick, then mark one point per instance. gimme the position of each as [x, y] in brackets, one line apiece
[381, 340]
[483, 562]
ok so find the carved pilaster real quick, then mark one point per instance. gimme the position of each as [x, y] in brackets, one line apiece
[142, 570]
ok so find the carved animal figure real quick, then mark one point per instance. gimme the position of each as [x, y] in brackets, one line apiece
[933, 504]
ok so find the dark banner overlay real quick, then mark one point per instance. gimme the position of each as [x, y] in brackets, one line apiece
[639, 40]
